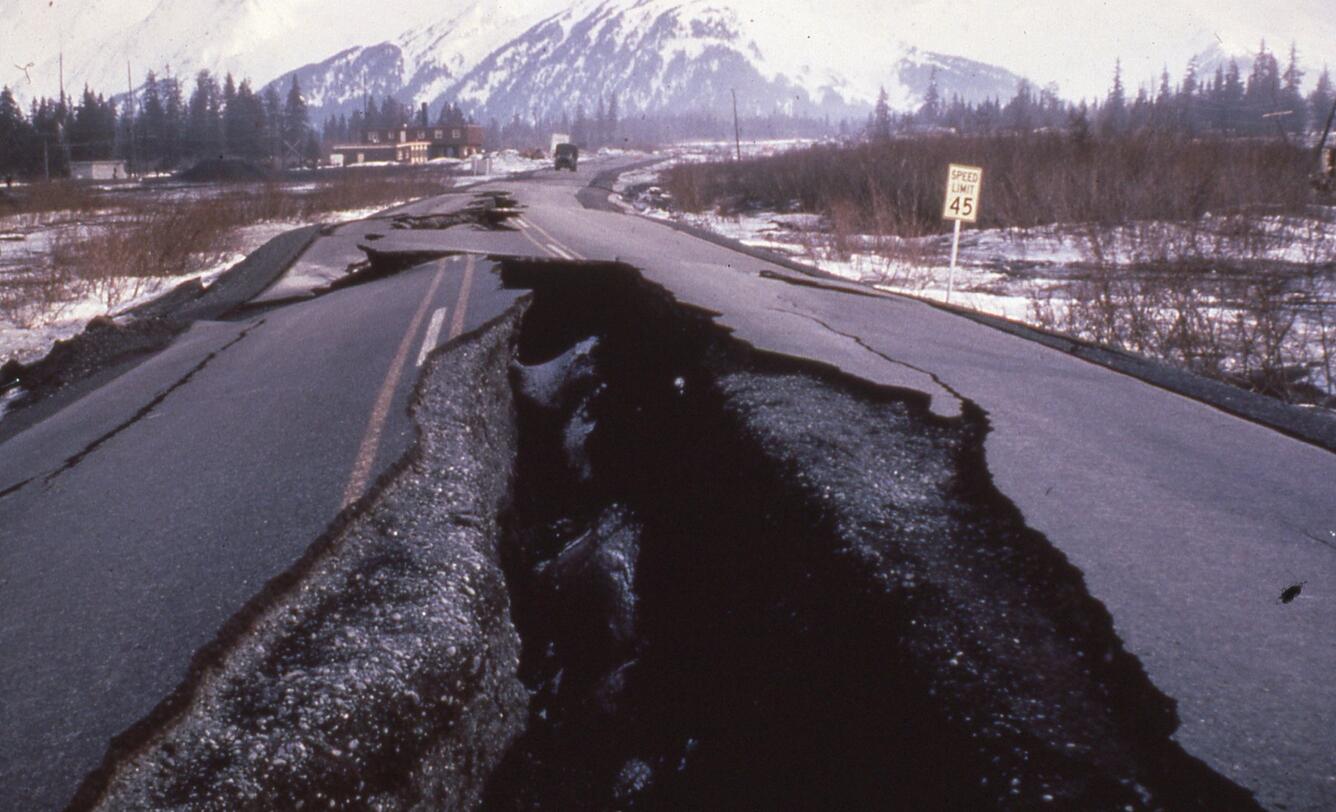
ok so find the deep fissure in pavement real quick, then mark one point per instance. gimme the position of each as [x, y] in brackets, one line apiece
[725, 578]
[746, 581]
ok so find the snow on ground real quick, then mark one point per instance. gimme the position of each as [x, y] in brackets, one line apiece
[28, 339]
[707, 150]
[644, 176]
[26, 243]
[1037, 275]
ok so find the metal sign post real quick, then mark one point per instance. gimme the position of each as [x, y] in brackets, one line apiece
[962, 206]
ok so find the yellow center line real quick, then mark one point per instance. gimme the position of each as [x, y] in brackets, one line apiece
[457, 323]
[366, 454]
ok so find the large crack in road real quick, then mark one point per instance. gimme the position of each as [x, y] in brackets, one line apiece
[633, 563]
[380, 674]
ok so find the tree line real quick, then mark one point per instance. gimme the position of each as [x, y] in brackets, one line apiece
[603, 128]
[157, 128]
[388, 114]
[1268, 101]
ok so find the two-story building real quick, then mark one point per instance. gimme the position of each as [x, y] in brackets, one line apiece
[410, 144]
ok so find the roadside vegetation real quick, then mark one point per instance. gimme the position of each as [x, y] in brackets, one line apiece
[895, 187]
[1178, 220]
[67, 246]
[1209, 252]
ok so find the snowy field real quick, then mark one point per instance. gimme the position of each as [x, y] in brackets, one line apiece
[1227, 295]
[41, 304]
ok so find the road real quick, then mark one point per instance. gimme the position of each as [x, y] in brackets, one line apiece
[159, 505]
[141, 519]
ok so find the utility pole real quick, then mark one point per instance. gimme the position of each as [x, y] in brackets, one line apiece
[737, 134]
[130, 119]
[1322, 142]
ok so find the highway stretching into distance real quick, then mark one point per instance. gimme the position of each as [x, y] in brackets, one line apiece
[139, 519]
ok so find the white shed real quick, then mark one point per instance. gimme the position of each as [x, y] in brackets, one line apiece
[98, 170]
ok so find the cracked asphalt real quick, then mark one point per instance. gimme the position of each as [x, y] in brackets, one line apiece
[158, 506]
[142, 522]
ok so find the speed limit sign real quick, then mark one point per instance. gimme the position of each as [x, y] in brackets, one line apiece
[962, 193]
[962, 205]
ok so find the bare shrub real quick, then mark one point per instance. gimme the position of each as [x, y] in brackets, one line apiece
[128, 251]
[121, 259]
[58, 196]
[34, 293]
[845, 225]
[1032, 179]
[1267, 332]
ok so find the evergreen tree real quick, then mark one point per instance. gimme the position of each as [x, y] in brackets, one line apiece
[92, 132]
[879, 127]
[1078, 126]
[173, 119]
[1229, 101]
[1187, 99]
[203, 129]
[1320, 101]
[152, 136]
[248, 140]
[49, 146]
[1018, 115]
[232, 117]
[1291, 96]
[613, 124]
[1162, 112]
[16, 136]
[295, 124]
[1113, 115]
[932, 101]
[1262, 94]
[273, 123]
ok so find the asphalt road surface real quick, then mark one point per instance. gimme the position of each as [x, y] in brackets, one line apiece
[138, 520]
[157, 506]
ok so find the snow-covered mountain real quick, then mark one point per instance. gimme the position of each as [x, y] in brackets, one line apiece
[498, 57]
[495, 58]
[653, 56]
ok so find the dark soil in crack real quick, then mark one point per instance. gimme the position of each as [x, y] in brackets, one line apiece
[735, 581]
[491, 210]
[745, 581]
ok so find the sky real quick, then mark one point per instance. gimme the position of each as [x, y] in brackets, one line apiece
[1071, 43]
[1075, 43]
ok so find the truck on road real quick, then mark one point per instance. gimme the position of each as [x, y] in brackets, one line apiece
[565, 156]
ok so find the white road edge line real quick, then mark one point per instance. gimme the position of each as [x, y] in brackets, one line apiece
[366, 452]
[433, 333]
[569, 253]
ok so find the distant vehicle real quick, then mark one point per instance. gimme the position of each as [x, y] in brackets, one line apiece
[567, 156]
[558, 138]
